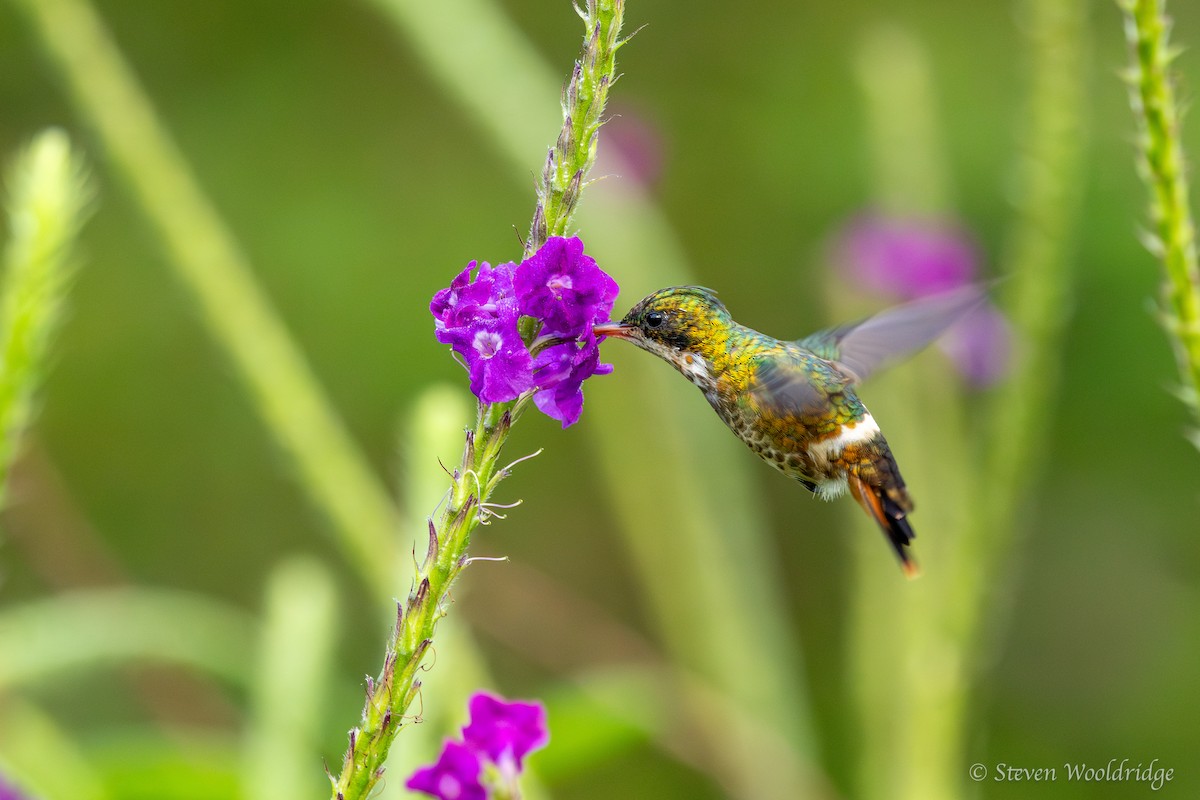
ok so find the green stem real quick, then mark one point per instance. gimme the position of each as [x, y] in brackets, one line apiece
[908, 165]
[209, 262]
[393, 692]
[1147, 28]
[390, 695]
[907, 660]
[584, 98]
[1037, 263]
[432, 434]
[916, 645]
[720, 538]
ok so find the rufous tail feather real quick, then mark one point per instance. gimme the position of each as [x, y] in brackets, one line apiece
[890, 517]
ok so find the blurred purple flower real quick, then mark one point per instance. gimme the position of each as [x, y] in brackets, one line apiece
[907, 258]
[505, 731]
[564, 288]
[9, 791]
[455, 775]
[633, 148]
[911, 258]
[499, 734]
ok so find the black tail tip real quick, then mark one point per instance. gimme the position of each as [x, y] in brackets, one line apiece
[892, 519]
[900, 535]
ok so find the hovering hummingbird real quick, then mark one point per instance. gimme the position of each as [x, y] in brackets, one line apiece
[795, 403]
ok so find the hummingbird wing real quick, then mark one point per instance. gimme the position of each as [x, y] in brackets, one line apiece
[793, 382]
[861, 348]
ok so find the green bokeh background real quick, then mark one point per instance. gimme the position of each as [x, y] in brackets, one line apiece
[358, 187]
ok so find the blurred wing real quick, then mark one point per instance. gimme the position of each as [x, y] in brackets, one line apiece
[861, 348]
[793, 385]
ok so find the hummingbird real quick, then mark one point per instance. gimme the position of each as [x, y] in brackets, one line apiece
[795, 403]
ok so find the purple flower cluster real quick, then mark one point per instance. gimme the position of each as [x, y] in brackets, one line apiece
[912, 258]
[498, 737]
[558, 285]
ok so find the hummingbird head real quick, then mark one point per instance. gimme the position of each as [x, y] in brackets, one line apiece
[684, 325]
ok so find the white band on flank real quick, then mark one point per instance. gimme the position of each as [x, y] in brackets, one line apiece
[864, 431]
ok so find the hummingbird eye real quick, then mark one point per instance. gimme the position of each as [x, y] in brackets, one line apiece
[655, 319]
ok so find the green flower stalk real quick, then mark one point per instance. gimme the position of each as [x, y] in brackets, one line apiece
[478, 315]
[390, 695]
[1163, 168]
[916, 662]
[49, 198]
[1038, 263]
[583, 101]
[501, 362]
[722, 533]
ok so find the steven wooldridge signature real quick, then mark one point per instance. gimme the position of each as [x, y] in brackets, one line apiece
[1115, 771]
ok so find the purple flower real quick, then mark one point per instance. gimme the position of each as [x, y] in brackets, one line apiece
[499, 735]
[564, 288]
[477, 315]
[478, 318]
[497, 359]
[911, 258]
[505, 731]
[489, 295]
[560, 372]
[455, 776]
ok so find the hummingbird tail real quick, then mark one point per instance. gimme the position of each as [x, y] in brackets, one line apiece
[891, 517]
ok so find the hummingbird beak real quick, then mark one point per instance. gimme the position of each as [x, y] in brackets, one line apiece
[618, 330]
